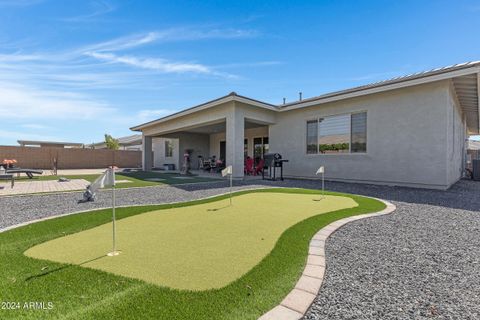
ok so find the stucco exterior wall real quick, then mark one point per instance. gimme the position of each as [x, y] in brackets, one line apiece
[406, 142]
[159, 159]
[250, 134]
[455, 137]
[199, 143]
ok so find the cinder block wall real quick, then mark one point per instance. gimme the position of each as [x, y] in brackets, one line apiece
[42, 158]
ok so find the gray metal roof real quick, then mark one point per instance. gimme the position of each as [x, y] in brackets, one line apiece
[407, 77]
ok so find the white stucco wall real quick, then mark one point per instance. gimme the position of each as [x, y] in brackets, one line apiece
[250, 134]
[158, 147]
[199, 143]
[455, 137]
[406, 140]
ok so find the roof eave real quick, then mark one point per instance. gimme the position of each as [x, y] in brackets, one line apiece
[207, 105]
[346, 94]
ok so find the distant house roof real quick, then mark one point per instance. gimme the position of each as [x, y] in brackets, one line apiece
[50, 143]
[132, 140]
[465, 78]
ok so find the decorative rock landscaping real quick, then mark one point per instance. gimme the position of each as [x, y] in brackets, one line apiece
[297, 302]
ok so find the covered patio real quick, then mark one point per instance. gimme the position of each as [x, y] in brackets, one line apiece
[227, 129]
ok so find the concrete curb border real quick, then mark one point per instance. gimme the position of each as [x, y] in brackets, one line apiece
[296, 303]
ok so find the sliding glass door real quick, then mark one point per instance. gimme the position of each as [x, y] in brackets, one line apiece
[260, 147]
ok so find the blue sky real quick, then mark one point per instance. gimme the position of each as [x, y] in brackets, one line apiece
[74, 70]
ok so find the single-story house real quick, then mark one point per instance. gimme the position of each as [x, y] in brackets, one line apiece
[406, 131]
[133, 142]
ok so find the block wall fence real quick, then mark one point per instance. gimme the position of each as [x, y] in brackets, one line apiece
[43, 157]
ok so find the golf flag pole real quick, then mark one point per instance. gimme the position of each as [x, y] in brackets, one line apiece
[321, 170]
[111, 180]
[228, 171]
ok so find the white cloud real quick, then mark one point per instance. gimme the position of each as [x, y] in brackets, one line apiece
[26, 102]
[184, 34]
[99, 8]
[160, 65]
[17, 135]
[16, 57]
[123, 43]
[150, 114]
[172, 34]
[35, 126]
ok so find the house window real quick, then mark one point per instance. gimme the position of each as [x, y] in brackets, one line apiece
[312, 136]
[334, 134]
[345, 133]
[359, 132]
[168, 149]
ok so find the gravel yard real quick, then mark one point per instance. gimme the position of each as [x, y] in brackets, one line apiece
[19, 209]
[421, 262]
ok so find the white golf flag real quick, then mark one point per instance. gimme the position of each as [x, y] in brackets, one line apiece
[107, 179]
[320, 170]
[226, 171]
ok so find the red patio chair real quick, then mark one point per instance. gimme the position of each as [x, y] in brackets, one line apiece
[249, 166]
[259, 167]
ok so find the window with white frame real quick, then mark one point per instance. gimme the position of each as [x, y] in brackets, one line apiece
[168, 148]
[346, 133]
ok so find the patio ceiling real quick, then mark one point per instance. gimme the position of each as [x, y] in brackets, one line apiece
[467, 90]
[216, 127]
[221, 127]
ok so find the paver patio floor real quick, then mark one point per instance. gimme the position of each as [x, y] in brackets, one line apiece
[26, 187]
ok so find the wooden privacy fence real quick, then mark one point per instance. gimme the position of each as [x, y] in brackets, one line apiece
[74, 158]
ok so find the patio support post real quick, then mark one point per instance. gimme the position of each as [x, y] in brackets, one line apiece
[235, 132]
[147, 155]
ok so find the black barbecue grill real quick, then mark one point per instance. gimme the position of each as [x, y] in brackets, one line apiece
[272, 162]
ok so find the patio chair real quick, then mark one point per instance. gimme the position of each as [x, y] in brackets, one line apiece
[248, 170]
[259, 167]
[213, 164]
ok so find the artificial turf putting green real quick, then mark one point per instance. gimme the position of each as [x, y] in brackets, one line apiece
[85, 293]
[199, 247]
